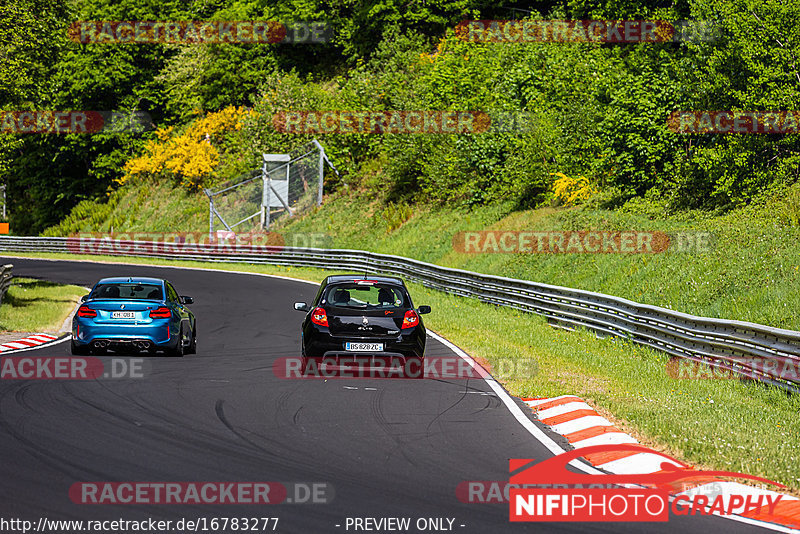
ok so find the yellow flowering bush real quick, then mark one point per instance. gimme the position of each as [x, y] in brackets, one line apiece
[430, 58]
[190, 156]
[569, 191]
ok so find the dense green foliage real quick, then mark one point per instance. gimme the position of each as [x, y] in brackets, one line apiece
[594, 110]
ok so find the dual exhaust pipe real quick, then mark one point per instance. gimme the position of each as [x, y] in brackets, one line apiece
[104, 343]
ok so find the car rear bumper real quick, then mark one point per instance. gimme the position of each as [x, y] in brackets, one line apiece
[159, 335]
[376, 359]
[328, 349]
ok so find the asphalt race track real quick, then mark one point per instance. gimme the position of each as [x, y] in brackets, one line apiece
[397, 449]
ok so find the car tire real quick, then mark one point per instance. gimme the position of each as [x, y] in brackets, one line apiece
[192, 348]
[79, 350]
[178, 351]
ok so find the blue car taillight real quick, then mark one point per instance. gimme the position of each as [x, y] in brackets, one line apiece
[161, 313]
[86, 311]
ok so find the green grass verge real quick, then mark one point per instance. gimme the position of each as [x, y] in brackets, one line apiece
[37, 305]
[720, 424]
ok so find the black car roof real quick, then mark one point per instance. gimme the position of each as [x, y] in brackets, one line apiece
[335, 278]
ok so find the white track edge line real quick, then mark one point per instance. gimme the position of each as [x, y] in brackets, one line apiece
[515, 410]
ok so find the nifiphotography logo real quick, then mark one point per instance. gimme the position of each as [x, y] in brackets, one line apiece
[639, 497]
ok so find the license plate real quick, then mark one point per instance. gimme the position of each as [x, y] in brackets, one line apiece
[123, 315]
[364, 347]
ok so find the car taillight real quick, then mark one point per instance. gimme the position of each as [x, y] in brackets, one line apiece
[86, 311]
[161, 313]
[318, 316]
[410, 319]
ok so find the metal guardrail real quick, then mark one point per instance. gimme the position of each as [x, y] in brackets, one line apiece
[5, 279]
[750, 350]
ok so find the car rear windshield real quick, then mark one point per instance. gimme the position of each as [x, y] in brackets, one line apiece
[362, 295]
[128, 291]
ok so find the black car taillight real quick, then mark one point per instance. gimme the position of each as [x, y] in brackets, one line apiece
[86, 311]
[161, 312]
[410, 319]
[318, 316]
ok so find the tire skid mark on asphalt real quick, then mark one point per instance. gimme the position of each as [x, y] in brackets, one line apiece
[44, 454]
[296, 417]
[162, 424]
[376, 407]
[20, 395]
[440, 414]
[252, 445]
[219, 409]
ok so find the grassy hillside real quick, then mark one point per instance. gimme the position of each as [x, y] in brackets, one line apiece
[151, 206]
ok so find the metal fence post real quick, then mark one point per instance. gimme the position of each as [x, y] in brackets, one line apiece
[210, 215]
[264, 197]
[321, 173]
[267, 191]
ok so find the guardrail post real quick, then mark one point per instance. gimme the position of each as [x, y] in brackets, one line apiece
[5, 279]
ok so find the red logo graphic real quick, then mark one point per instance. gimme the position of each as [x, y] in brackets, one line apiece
[649, 502]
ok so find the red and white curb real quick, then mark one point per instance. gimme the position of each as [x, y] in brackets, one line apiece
[582, 426]
[34, 340]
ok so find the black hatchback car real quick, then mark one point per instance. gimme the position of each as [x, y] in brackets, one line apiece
[354, 316]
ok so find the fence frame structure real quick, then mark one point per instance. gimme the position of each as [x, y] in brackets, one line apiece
[284, 165]
[732, 345]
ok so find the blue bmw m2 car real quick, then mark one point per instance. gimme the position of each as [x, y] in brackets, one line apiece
[141, 314]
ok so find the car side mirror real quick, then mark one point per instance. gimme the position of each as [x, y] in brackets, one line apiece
[187, 300]
[422, 310]
[301, 306]
[85, 297]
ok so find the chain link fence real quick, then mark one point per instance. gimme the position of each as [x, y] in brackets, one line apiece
[286, 185]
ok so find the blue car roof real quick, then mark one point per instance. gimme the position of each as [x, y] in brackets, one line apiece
[131, 279]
